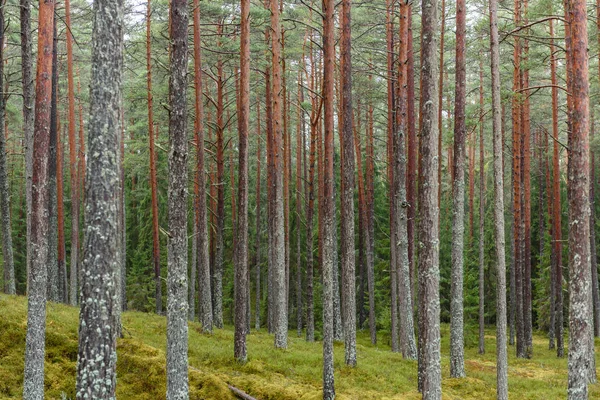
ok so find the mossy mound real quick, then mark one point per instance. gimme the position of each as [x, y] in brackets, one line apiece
[270, 373]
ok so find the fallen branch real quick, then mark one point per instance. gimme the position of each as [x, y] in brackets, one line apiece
[240, 394]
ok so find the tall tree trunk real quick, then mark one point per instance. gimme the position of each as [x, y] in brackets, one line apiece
[517, 195]
[327, 261]
[441, 98]
[310, 312]
[257, 238]
[277, 216]
[75, 269]
[33, 380]
[391, 128]
[60, 216]
[52, 284]
[580, 310]
[556, 209]
[481, 216]
[153, 180]
[7, 246]
[407, 332]
[177, 306]
[498, 146]
[299, 153]
[98, 336]
[593, 258]
[28, 114]
[457, 362]
[205, 311]
[526, 173]
[217, 283]
[428, 263]
[347, 195]
[412, 157]
[241, 244]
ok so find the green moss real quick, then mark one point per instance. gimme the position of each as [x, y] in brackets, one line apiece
[269, 373]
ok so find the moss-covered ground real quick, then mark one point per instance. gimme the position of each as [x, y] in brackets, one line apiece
[269, 374]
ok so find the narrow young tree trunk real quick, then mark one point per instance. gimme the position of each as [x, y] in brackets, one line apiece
[257, 238]
[517, 195]
[457, 363]
[501, 350]
[98, 336]
[205, 311]
[428, 263]
[391, 127]
[407, 332]
[556, 210]
[310, 312]
[481, 217]
[75, 268]
[270, 172]
[60, 215]
[7, 246]
[593, 258]
[28, 114]
[52, 284]
[441, 98]
[347, 194]
[526, 174]
[153, 179]
[299, 150]
[217, 283]
[241, 244]
[327, 261]
[412, 157]
[278, 247]
[471, 139]
[177, 306]
[33, 380]
[580, 310]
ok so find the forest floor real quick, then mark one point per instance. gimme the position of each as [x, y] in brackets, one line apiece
[270, 374]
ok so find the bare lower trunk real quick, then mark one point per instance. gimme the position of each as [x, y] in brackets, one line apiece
[407, 332]
[52, 286]
[97, 360]
[428, 229]
[177, 285]
[33, 380]
[7, 246]
[457, 362]
[501, 350]
[580, 294]
[205, 311]
[241, 244]
[28, 112]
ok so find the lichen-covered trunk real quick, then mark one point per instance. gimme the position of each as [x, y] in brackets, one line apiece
[60, 215]
[347, 192]
[177, 285]
[407, 332]
[28, 113]
[33, 379]
[412, 157]
[97, 358]
[280, 320]
[580, 285]
[499, 240]
[205, 311]
[593, 258]
[241, 245]
[457, 345]
[428, 263]
[327, 260]
[7, 246]
[52, 284]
